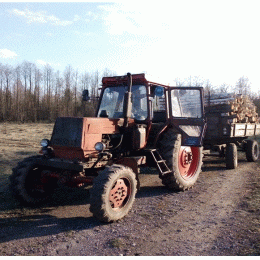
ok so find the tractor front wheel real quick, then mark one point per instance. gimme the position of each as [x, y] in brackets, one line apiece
[113, 193]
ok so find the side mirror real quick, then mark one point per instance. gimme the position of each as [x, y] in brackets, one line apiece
[85, 95]
[159, 91]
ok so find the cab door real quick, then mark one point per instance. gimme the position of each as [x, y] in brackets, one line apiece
[186, 113]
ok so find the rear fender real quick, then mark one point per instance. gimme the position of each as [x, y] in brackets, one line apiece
[192, 130]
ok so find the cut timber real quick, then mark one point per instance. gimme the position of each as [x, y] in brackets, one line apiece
[229, 104]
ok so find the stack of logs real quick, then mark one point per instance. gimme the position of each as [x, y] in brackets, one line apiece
[231, 108]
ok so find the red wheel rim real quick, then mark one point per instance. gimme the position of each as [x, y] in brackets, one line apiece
[120, 193]
[35, 185]
[188, 161]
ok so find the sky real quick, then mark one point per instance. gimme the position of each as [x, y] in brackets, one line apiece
[215, 40]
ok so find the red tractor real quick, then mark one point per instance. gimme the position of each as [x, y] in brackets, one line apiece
[138, 123]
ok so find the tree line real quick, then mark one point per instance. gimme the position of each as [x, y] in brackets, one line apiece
[32, 94]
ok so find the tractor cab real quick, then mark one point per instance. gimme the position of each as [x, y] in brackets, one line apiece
[132, 115]
[152, 106]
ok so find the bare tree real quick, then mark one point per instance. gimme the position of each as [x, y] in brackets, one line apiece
[7, 71]
[224, 88]
[95, 81]
[243, 86]
[37, 85]
[108, 73]
[67, 99]
[57, 95]
[1, 91]
[192, 81]
[26, 69]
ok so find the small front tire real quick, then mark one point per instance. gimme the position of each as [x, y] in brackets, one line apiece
[113, 193]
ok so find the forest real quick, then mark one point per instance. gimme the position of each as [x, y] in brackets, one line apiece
[29, 93]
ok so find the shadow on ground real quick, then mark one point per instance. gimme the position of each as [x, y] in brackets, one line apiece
[38, 225]
[19, 222]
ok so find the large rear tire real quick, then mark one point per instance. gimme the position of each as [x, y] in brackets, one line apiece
[184, 161]
[113, 193]
[26, 183]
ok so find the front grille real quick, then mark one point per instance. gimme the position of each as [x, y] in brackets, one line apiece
[67, 132]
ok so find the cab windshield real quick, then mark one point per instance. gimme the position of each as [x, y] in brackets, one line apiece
[186, 103]
[112, 102]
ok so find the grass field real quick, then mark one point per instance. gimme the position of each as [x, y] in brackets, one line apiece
[18, 141]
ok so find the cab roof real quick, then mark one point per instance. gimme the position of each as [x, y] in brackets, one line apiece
[136, 78]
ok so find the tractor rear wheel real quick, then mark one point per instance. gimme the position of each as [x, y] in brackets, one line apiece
[27, 184]
[185, 162]
[113, 193]
[252, 150]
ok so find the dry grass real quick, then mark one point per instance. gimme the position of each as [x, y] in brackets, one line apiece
[18, 141]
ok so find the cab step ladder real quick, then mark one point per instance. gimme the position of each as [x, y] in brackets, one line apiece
[160, 163]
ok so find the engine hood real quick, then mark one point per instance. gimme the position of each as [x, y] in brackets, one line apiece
[75, 138]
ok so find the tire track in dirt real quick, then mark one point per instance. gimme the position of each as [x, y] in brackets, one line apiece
[202, 215]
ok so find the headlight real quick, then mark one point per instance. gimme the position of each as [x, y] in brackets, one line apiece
[100, 146]
[45, 142]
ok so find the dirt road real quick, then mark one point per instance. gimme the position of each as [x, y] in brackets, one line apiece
[219, 216]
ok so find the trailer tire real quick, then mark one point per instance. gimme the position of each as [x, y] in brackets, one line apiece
[231, 156]
[113, 193]
[183, 175]
[252, 150]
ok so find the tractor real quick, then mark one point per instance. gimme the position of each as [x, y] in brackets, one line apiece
[138, 123]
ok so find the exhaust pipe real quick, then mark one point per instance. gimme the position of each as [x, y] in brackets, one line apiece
[128, 100]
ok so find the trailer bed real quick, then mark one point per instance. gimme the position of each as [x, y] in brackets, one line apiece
[218, 133]
[244, 130]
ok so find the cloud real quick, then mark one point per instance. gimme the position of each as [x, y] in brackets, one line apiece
[7, 54]
[92, 16]
[124, 17]
[44, 63]
[179, 20]
[41, 62]
[82, 34]
[43, 17]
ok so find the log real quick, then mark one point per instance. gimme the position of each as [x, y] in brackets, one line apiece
[229, 104]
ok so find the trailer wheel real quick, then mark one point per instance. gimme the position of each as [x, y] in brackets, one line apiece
[27, 184]
[113, 193]
[184, 161]
[231, 156]
[252, 150]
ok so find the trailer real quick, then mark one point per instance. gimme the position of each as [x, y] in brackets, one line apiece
[226, 137]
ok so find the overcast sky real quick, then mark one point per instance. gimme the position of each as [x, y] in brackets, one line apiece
[215, 40]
